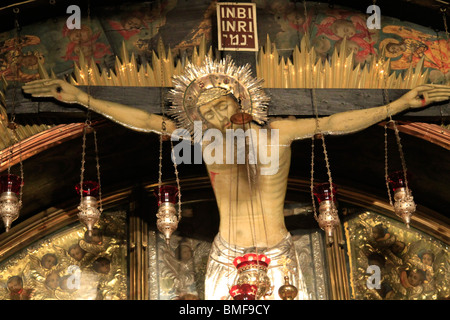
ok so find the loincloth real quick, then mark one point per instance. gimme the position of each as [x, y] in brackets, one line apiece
[221, 273]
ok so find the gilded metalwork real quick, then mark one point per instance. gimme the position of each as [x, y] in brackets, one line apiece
[318, 264]
[211, 80]
[221, 273]
[310, 254]
[304, 70]
[153, 266]
[173, 268]
[9, 208]
[337, 267]
[412, 265]
[89, 214]
[404, 205]
[167, 221]
[287, 291]
[71, 265]
[328, 217]
[252, 271]
[182, 267]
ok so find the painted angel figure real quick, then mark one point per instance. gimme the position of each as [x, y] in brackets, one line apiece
[17, 287]
[207, 97]
[45, 273]
[346, 25]
[414, 46]
[109, 269]
[94, 243]
[40, 268]
[68, 279]
[407, 283]
[433, 264]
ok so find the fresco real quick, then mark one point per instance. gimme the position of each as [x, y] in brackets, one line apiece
[138, 27]
[403, 42]
[71, 265]
[19, 57]
[53, 45]
[413, 266]
[84, 41]
[407, 46]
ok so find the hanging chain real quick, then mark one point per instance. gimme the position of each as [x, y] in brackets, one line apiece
[325, 152]
[386, 171]
[97, 162]
[444, 17]
[163, 123]
[312, 179]
[83, 159]
[161, 138]
[399, 143]
[15, 58]
[176, 178]
[88, 125]
[14, 138]
[317, 132]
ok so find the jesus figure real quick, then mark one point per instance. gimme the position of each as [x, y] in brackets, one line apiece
[251, 210]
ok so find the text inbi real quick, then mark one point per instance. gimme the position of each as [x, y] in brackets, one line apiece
[237, 26]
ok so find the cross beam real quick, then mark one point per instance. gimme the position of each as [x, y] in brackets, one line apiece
[283, 102]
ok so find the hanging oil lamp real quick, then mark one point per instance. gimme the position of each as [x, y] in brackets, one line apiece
[10, 184]
[89, 213]
[404, 205]
[328, 217]
[167, 217]
[252, 282]
[10, 203]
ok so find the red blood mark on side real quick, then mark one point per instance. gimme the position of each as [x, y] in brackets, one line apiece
[213, 177]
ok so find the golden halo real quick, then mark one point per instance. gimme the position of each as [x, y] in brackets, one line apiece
[211, 75]
[383, 50]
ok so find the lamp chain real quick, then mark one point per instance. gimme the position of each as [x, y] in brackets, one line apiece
[325, 152]
[162, 136]
[386, 170]
[88, 125]
[399, 145]
[12, 124]
[316, 132]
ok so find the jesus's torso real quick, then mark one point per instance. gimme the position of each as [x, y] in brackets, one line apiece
[251, 209]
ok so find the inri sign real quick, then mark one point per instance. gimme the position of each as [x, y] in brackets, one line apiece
[236, 25]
